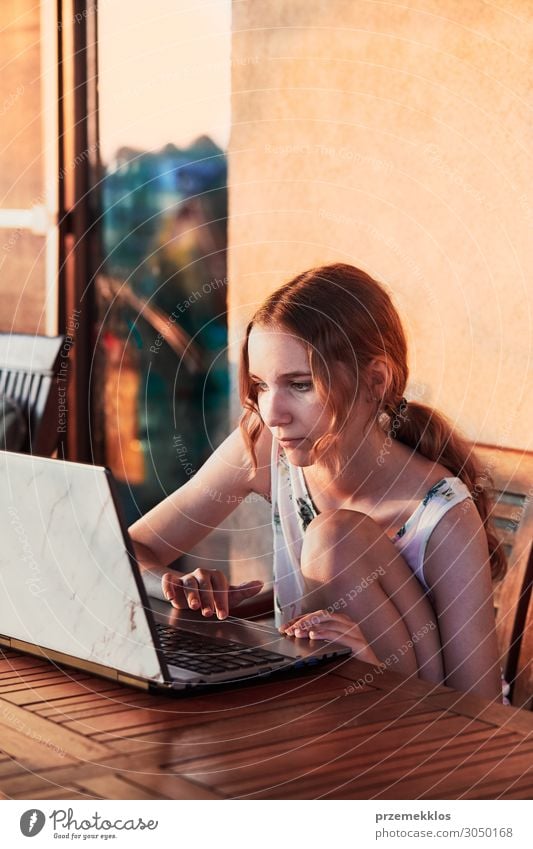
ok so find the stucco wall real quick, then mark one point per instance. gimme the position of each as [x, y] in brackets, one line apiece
[395, 137]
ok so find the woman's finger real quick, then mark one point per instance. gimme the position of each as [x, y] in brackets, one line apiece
[190, 591]
[323, 633]
[299, 622]
[310, 620]
[220, 594]
[173, 590]
[323, 625]
[359, 646]
[317, 614]
[205, 588]
[166, 586]
[307, 621]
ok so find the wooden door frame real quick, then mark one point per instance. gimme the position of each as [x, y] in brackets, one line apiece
[79, 242]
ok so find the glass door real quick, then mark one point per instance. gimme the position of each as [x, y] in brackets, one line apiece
[160, 384]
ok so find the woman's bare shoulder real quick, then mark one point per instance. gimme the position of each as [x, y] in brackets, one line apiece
[419, 473]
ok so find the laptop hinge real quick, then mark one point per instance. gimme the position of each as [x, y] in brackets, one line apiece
[123, 678]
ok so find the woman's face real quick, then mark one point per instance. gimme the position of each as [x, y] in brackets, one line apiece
[288, 402]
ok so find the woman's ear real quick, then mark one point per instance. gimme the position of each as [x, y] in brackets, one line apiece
[378, 378]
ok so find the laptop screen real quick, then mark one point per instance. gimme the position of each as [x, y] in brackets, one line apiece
[66, 580]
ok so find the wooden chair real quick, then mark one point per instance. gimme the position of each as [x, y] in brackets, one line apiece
[512, 517]
[523, 683]
[29, 375]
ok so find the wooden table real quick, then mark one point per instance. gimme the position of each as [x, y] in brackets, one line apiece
[68, 735]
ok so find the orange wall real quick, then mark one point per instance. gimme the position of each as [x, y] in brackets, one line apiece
[395, 137]
[22, 260]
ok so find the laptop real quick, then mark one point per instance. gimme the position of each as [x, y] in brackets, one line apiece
[71, 591]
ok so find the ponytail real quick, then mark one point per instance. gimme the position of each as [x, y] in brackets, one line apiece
[432, 435]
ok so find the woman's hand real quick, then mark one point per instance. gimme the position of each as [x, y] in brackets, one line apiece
[208, 590]
[322, 625]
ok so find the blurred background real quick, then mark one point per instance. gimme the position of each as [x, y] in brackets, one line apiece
[142, 105]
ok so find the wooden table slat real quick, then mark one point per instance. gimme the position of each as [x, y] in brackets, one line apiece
[57, 695]
[67, 795]
[22, 727]
[116, 787]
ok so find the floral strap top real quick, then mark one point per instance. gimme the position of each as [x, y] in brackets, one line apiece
[293, 510]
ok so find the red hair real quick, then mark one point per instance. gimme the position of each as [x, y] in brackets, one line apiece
[340, 313]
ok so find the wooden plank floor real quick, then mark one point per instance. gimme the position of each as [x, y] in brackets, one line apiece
[68, 735]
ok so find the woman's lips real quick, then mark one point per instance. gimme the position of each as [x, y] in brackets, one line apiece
[289, 442]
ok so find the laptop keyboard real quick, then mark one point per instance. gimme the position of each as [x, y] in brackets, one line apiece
[209, 655]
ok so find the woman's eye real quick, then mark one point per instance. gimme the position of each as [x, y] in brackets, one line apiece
[259, 386]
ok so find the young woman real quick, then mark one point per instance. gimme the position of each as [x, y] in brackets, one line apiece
[379, 510]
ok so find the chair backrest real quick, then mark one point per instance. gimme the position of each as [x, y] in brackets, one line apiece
[523, 683]
[512, 518]
[29, 369]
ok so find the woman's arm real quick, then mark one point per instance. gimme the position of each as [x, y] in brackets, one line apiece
[457, 569]
[183, 519]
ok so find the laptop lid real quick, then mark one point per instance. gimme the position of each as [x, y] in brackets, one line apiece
[66, 579]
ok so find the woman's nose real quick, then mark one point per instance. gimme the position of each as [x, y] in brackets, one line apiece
[274, 411]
